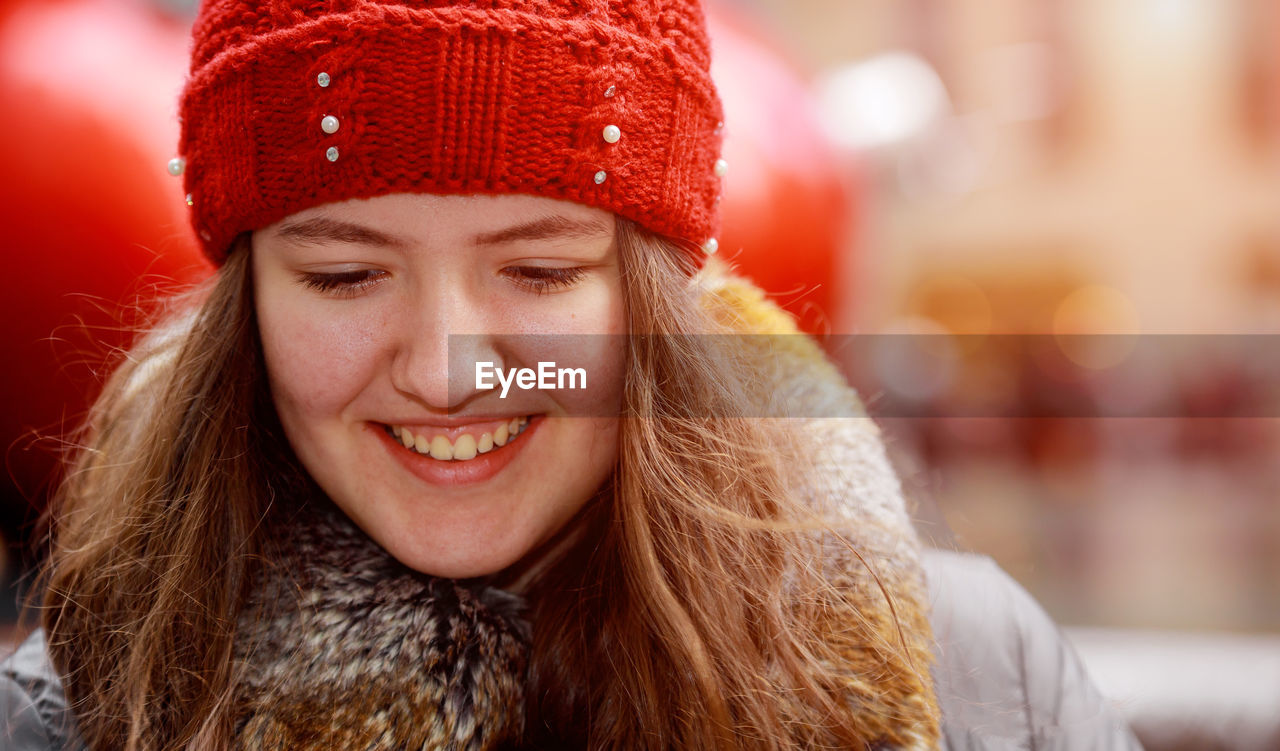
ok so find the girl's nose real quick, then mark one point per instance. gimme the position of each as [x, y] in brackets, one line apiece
[437, 347]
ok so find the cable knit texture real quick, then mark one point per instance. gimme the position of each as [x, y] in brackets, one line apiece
[345, 648]
[496, 96]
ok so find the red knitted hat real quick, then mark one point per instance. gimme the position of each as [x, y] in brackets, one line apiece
[295, 103]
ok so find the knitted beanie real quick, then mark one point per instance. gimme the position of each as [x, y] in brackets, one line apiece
[296, 103]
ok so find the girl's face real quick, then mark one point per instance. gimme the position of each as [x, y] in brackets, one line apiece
[374, 315]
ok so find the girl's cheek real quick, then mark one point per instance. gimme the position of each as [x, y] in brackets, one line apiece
[319, 362]
[585, 332]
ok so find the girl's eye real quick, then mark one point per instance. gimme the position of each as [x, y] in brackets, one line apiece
[342, 284]
[544, 279]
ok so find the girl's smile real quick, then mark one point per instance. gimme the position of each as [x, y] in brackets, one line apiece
[473, 453]
[373, 314]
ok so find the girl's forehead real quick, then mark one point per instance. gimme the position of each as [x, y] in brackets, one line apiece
[485, 219]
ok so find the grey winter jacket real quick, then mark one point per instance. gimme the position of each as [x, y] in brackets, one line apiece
[1005, 676]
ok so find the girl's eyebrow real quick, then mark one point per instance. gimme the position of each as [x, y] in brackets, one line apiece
[546, 228]
[322, 231]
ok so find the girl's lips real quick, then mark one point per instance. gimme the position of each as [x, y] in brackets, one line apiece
[446, 473]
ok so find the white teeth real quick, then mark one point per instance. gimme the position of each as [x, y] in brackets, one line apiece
[466, 447]
[441, 448]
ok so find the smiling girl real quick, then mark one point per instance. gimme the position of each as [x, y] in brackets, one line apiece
[367, 310]
[297, 522]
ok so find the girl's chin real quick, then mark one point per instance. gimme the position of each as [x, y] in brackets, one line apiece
[477, 557]
[454, 569]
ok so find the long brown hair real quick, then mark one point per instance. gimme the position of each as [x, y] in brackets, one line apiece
[700, 615]
[695, 613]
[152, 529]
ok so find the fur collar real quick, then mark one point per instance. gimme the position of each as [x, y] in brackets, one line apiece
[343, 647]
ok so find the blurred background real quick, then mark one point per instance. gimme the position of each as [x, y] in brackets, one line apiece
[1073, 203]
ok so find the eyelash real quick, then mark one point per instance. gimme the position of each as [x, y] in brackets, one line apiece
[537, 279]
[542, 279]
[344, 284]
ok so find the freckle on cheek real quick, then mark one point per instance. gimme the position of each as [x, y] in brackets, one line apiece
[318, 365]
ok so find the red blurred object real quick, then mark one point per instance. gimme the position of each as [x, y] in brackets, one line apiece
[786, 209]
[92, 220]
